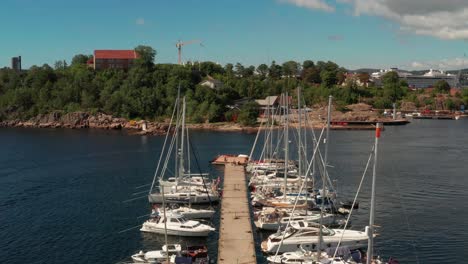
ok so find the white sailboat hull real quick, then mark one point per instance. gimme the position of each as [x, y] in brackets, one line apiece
[191, 213]
[183, 198]
[263, 224]
[352, 239]
[202, 231]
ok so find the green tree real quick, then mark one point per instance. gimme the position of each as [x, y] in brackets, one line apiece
[311, 75]
[146, 55]
[248, 114]
[450, 104]
[328, 78]
[290, 68]
[307, 64]
[80, 59]
[262, 69]
[274, 71]
[442, 86]
[391, 86]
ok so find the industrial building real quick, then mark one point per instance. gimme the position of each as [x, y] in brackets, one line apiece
[16, 63]
[112, 59]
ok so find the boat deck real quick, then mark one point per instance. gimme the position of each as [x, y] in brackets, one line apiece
[236, 241]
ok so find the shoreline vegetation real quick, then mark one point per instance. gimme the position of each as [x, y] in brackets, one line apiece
[217, 97]
[83, 120]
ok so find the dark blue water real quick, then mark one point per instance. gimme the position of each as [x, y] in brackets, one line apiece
[62, 192]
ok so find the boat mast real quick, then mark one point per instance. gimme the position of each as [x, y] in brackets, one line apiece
[330, 98]
[370, 246]
[189, 173]
[165, 223]
[176, 135]
[323, 195]
[286, 143]
[299, 148]
[181, 155]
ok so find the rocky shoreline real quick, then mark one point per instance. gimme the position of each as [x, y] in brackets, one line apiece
[358, 113]
[80, 120]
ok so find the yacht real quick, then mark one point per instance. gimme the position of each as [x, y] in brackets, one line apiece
[307, 234]
[158, 256]
[186, 195]
[272, 219]
[176, 225]
[189, 212]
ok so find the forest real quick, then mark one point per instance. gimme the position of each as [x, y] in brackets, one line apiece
[148, 90]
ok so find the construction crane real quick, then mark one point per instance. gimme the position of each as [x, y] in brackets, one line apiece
[179, 48]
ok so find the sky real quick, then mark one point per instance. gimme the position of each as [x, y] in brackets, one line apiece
[408, 34]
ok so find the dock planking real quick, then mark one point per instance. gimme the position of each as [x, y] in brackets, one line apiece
[236, 242]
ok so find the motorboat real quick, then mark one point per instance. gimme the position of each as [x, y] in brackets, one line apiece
[190, 195]
[307, 234]
[176, 225]
[343, 256]
[158, 256]
[272, 218]
[189, 212]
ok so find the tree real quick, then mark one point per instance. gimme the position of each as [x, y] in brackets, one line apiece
[248, 114]
[60, 65]
[307, 64]
[311, 75]
[328, 78]
[80, 59]
[450, 104]
[239, 69]
[391, 86]
[274, 71]
[290, 68]
[146, 55]
[262, 69]
[442, 86]
[229, 69]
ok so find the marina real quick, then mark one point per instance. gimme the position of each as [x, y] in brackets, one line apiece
[409, 183]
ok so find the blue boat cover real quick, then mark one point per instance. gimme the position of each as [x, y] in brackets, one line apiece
[183, 260]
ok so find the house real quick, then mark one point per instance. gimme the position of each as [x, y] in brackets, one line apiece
[112, 59]
[271, 103]
[354, 78]
[212, 83]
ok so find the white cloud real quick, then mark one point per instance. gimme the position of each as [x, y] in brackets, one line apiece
[444, 64]
[140, 21]
[311, 4]
[446, 19]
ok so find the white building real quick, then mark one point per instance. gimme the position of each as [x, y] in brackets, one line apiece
[212, 83]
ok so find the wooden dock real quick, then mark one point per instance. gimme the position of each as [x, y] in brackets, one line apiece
[236, 242]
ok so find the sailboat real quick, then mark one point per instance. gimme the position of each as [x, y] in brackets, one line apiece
[176, 225]
[183, 188]
[188, 212]
[307, 256]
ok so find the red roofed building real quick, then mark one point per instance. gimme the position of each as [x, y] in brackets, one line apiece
[113, 59]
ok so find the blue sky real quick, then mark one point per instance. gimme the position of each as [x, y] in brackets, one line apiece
[251, 32]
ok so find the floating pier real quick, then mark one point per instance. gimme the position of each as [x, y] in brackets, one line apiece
[236, 241]
[226, 158]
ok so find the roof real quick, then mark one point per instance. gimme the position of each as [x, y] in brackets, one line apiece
[115, 54]
[269, 100]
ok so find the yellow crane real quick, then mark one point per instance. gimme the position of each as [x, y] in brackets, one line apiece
[179, 45]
